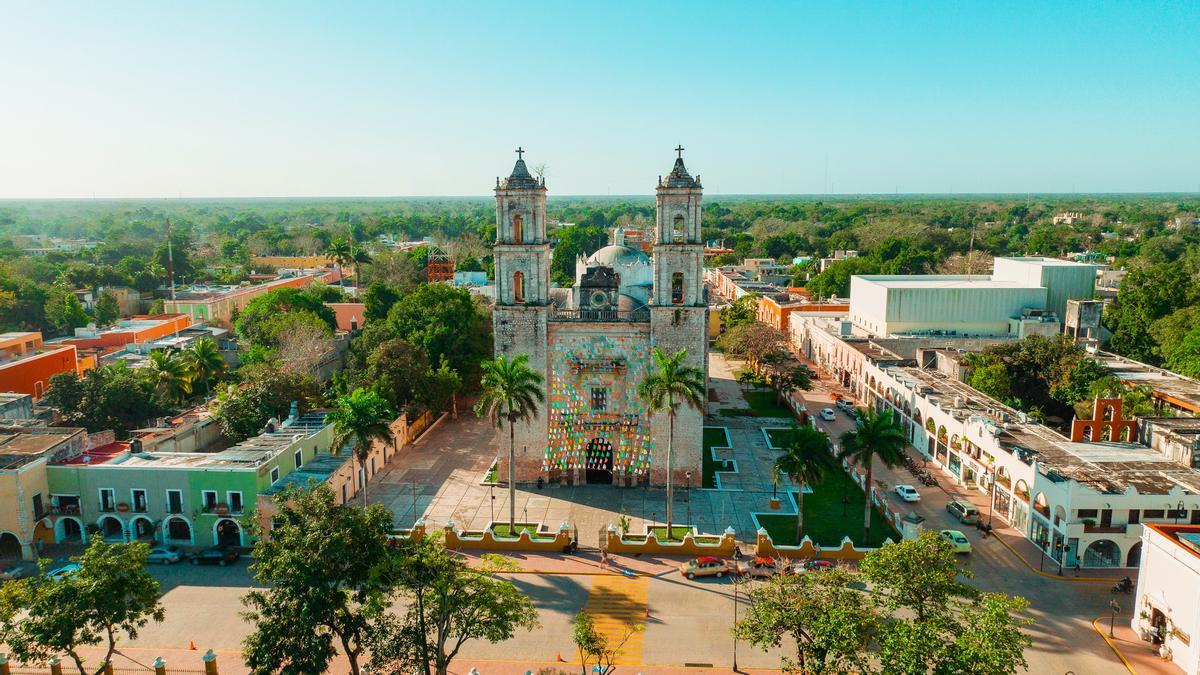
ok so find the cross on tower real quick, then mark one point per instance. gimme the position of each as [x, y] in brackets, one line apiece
[679, 149]
[520, 152]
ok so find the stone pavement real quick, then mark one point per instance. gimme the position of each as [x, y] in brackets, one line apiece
[440, 478]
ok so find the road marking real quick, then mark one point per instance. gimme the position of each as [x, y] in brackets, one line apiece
[1113, 646]
[617, 604]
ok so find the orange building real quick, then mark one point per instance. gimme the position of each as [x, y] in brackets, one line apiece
[26, 365]
[134, 330]
[776, 311]
[350, 315]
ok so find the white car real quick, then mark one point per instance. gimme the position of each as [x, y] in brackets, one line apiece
[827, 414]
[167, 555]
[958, 541]
[908, 493]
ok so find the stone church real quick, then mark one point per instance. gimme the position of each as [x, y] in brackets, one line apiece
[592, 343]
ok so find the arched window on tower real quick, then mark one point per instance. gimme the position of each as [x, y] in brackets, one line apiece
[677, 234]
[519, 288]
[677, 288]
[516, 228]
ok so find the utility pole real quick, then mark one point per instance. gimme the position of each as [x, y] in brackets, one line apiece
[170, 260]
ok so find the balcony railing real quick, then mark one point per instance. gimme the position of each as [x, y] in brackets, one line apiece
[600, 315]
[1105, 529]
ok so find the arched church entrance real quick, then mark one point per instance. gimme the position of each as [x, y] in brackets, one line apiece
[599, 462]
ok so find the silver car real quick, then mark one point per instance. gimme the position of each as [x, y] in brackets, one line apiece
[167, 555]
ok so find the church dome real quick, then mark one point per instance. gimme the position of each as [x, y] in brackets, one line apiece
[617, 256]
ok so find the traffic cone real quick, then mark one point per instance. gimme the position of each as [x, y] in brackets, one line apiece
[559, 658]
[647, 612]
[191, 645]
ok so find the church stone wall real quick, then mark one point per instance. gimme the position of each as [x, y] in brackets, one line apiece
[672, 329]
[522, 330]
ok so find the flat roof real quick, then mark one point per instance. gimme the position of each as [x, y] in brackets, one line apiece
[941, 281]
[318, 470]
[20, 445]
[1186, 537]
[1046, 262]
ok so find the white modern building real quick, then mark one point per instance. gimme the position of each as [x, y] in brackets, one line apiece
[969, 305]
[1166, 612]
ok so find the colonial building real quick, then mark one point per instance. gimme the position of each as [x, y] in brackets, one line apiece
[593, 343]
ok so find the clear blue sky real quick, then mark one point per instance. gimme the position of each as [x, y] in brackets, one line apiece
[134, 99]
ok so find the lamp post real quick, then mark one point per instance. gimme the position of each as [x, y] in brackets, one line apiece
[689, 498]
[1114, 608]
[492, 496]
[735, 619]
[992, 498]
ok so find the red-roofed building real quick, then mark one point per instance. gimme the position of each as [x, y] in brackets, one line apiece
[1167, 610]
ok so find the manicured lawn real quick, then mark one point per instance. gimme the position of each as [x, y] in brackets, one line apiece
[502, 530]
[778, 437]
[660, 533]
[766, 404]
[713, 436]
[491, 474]
[823, 519]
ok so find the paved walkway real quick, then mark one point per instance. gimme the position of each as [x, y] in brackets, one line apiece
[440, 478]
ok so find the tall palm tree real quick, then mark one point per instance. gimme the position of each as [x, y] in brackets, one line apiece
[875, 436]
[673, 383]
[341, 253]
[170, 375]
[807, 457]
[204, 360]
[512, 392]
[359, 257]
[360, 418]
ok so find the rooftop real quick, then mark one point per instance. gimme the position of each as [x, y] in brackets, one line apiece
[940, 281]
[1176, 389]
[21, 444]
[1186, 537]
[318, 470]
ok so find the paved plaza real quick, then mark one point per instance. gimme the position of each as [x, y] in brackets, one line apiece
[443, 475]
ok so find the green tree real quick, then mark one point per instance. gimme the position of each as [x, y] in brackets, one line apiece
[267, 392]
[64, 312]
[205, 362]
[875, 436]
[360, 419]
[442, 387]
[1147, 294]
[671, 384]
[1076, 384]
[572, 243]
[920, 575]
[259, 322]
[378, 300]
[445, 321]
[112, 593]
[169, 375]
[990, 639]
[317, 589]
[342, 254]
[807, 457]
[740, 312]
[758, 343]
[992, 379]
[512, 392]
[592, 645]
[829, 622]
[108, 397]
[106, 310]
[397, 369]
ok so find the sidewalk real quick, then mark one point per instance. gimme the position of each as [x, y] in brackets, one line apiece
[588, 563]
[1138, 656]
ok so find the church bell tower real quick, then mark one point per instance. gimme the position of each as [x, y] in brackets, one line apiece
[679, 304]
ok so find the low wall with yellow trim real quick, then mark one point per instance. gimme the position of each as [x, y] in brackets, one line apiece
[765, 548]
[486, 540]
[416, 533]
[649, 543]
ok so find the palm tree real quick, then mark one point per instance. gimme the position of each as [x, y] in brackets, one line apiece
[204, 359]
[361, 418]
[342, 254]
[673, 383]
[806, 458]
[170, 375]
[512, 392]
[359, 257]
[875, 436]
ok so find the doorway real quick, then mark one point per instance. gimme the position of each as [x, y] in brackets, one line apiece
[599, 462]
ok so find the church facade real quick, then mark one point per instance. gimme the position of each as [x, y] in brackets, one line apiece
[592, 343]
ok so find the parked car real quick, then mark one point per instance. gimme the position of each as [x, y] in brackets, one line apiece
[11, 572]
[908, 493]
[827, 414]
[958, 540]
[704, 566]
[217, 555]
[765, 568]
[167, 555]
[965, 512]
[845, 404]
[63, 571]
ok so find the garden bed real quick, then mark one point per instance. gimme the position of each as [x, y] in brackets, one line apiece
[714, 437]
[823, 519]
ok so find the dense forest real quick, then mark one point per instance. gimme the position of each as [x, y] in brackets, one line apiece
[1155, 237]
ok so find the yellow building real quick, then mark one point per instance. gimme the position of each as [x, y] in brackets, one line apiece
[26, 506]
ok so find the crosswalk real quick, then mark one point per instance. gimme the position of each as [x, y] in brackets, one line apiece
[617, 604]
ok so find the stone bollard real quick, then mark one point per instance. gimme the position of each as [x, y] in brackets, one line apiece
[55, 666]
[160, 666]
[210, 663]
[5, 668]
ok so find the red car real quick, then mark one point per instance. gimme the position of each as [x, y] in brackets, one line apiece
[765, 568]
[817, 565]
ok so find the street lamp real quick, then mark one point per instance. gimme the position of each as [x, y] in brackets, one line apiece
[1114, 608]
[1178, 510]
[735, 619]
[689, 498]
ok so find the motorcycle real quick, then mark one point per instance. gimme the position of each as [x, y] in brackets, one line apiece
[1123, 586]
